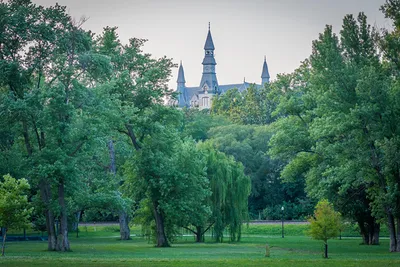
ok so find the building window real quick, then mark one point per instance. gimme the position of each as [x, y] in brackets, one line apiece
[206, 102]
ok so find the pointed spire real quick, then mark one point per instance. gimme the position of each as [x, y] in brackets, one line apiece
[209, 42]
[181, 74]
[265, 74]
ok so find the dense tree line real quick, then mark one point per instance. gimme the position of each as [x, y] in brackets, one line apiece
[83, 120]
[335, 122]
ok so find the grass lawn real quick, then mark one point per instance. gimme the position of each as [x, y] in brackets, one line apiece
[102, 248]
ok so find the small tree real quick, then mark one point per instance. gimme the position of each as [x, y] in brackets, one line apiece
[325, 224]
[14, 211]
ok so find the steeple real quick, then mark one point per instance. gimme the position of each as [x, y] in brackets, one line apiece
[209, 45]
[181, 74]
[181, 88]
[209, 82]
[265, 74]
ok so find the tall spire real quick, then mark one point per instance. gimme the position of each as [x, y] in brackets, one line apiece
[209, 45]
[209, 81]
[181, 74]
[181, 88]
[265, 74]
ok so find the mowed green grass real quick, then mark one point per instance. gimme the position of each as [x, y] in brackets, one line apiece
[102, 248]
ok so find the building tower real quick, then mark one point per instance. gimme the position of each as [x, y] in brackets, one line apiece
[209, 83]
[182, 98]
[265, 74]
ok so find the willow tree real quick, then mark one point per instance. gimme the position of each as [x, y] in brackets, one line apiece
[230, 189]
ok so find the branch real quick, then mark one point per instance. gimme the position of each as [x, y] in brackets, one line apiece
[79, 146]
[207, 228]
[187, 228]
[37, 133]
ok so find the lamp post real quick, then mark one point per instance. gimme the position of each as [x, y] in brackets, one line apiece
[283, 235]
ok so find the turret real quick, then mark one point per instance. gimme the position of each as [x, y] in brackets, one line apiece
[209, 80]
[181, 86]
[265, 74]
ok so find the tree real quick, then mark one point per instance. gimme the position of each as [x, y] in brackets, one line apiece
[345, 105]
[325, 224]
[132, 95]
[48, 75]
[169, 180]
[14, 207]
[230, 189]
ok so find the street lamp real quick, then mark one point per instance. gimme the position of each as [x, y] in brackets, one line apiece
[283, 235]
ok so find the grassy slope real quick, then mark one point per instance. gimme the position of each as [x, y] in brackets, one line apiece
[102, 248]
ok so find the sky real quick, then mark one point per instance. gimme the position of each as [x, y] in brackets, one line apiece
[243, 31]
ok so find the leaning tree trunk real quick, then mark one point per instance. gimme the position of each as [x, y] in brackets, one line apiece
[162, 240]
[124, 230]
[62, 239]
[392, 232]
[45, 192]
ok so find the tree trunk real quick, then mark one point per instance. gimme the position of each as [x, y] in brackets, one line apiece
[45, 192]
[375, 235]
[199, 234]
[111, 150]
[392, 232]
[62, 239]
[77, 220]
[3, 247]
[160, 231]
[124, 230]
[326, 250]
[363, 232]
[398, 235]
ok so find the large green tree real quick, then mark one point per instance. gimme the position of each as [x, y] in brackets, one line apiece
[339, 141]
[48, 74]
[170, 175]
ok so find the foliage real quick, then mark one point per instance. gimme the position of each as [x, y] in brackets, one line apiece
[252, 106]
[325, 224]
[248, 144]
[170, 173]
[230, 189]
[14, 208]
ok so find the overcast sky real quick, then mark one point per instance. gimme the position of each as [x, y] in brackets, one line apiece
[243, 31]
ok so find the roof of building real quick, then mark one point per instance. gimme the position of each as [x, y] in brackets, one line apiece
[181, 74]
[265, 73]
[209, 45]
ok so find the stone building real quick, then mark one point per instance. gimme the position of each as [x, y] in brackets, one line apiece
[202, 95]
